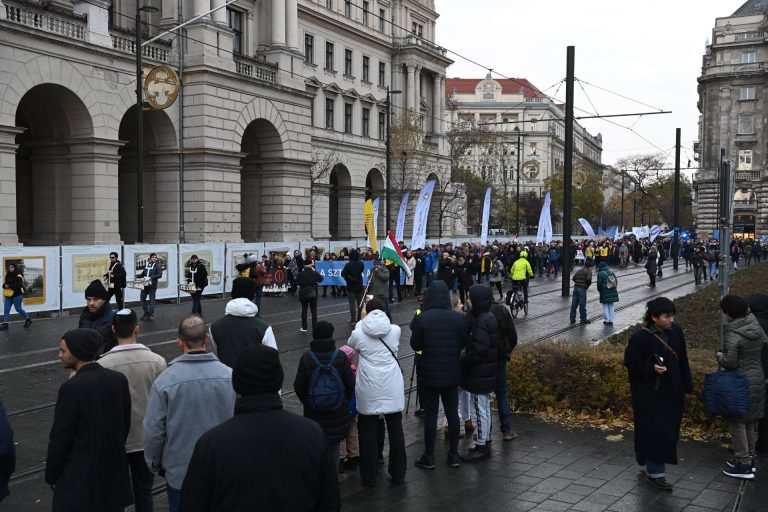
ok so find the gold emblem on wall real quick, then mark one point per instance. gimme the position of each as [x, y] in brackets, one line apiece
[161, 87]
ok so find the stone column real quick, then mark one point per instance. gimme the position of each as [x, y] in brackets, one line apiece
[278, 22]
[351, 200]
[440, 104]
[411, 87]
[292, 23]
[417, 89]
[219, 16]
[199, 7]
[8, 234]
[97, 12]
[286, 215]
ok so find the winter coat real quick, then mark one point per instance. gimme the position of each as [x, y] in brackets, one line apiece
[607, 295]
[445, 271]
[657, 413]
[379, 386]
[264, 458]
[335, 424]
[238, 329]
[411, 262]
[353, 272]
[582, 278]
[116, 275]
[464, 273]
[101, 322]
[743, 342]
[758, 305]
[86, 458]
[198, 275]
[479, 362]
[307, 278]
[7, 452]
[439, 333]
[497, 274]
[154, 271]
[15, 282]
[521, 270]
[651, 265]
[380, 282]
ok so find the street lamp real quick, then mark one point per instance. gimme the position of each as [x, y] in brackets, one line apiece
[517, 193]
[140, 121]
[389, 158]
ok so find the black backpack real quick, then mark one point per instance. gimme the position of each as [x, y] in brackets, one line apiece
[326, 389]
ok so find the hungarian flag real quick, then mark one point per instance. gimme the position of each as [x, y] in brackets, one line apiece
[391, 251]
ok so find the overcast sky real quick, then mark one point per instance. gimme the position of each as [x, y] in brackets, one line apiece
[647, 50]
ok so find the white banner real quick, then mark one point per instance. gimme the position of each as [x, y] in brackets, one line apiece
[210, 255]
[401, 217]
[421, 215]
[80, 265]
[587, 228]
[486, 215]
[235, 255]
[654, 232]
[40, 268]
[544, 233]
[135, 258]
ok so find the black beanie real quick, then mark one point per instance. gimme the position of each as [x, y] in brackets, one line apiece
[243, 288]
[257, 370]
[84, 344]
[96, 289]
[322, 330]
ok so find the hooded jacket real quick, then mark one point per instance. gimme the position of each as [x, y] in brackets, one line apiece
[521, 268]
[607, 296]
[239, 328]
[479, 363]
[439, 333]
[379, 387]
[380, 282]
[743, 351]
[334, 423]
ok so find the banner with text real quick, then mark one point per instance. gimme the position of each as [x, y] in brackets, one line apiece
[421, 215]
[486, 215]
[331, 272]
[401, 217]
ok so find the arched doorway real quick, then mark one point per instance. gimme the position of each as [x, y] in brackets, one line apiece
[374, 188]
[56, 123]
[159, 177]
[263, 153]
[339, 208]
[433, 222]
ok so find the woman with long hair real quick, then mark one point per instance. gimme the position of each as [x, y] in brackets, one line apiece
[13, 295]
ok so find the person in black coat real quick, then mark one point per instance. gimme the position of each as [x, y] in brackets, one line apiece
[464, 275]
[507, 343]
[659, 377]
[264, 458]
[198, 275]
[116, 280]
[98, 314]
[335, 424]
[479, 364]
[308, 280]
[86, 465]
[438, 334]
[353, 276]
[758, 304]
[446, 270]
[7, 452]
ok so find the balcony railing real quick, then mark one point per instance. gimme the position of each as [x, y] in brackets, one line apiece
[745, 205]
[66, 25]
[413, 40]
[747, 175]
[730, 69]
[257, 69]
[127, 44]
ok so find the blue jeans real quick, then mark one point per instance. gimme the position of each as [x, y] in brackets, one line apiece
[502, 396]
[197, 308]
[148, 305]
[713, 270]
[481, 404]
[608, 311]
[579, 299]
[16, 303]
[654, 469]
[174, 499]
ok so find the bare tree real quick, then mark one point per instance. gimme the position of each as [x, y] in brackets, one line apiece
[323, 162]
[408, 155]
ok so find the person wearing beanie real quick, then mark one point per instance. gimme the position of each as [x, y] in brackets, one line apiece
[352, 273]
[90, 426]
[240, 327]
[307, 281]
[322, 351]
[189, 398]
[141, 367]
[98, 314]
[264, 458]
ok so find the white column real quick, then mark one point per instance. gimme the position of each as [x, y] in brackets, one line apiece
[417, 89]
[97, 12]
[411, 87]
[292, 23]
[200, 7]
[278, 22]
[219, 16]
[441, 104]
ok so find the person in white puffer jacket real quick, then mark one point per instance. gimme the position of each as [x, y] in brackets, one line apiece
[379, 390]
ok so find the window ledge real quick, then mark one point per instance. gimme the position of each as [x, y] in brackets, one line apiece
[329, 71]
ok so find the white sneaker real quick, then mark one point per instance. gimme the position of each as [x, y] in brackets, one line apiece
[302, 330]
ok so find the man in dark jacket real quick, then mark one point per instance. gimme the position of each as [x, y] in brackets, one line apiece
[98, 315]
[264, 458]
[7, 452]
[335, 424]
[438, 334]
[116, 280]
[153, 272]
[582, 280]
[353, 275]
[308, 280]
[478, 366]
[507, 343]
[86, 463]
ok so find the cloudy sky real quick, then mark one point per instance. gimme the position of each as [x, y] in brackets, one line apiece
[647, 50]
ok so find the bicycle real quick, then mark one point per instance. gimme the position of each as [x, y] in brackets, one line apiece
[516, 300]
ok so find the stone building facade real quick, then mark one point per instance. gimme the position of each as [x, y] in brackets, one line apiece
[733, 91]
[267, 86]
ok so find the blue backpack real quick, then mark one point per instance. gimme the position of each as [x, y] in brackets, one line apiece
[326, 389]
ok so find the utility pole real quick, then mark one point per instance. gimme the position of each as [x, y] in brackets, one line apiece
[725, 214]
[568, 170]
[676, 241]
[622, 201]
[517, 192]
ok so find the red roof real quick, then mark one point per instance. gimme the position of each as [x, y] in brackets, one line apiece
[508, 86]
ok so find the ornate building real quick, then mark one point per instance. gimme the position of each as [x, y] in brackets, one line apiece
[732, 102]
[268, 87]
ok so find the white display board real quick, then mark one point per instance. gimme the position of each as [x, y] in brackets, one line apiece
[136, 256]
[81, 264]
[235, 254]
[336, 246]
[40, 267]
[210, 255]
[321, 246]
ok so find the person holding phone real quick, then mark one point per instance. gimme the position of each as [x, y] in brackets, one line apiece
[659, 377]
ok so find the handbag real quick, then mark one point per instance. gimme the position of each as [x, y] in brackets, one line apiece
[8, 292]
[726, 393]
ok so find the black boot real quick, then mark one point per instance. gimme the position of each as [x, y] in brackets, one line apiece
[477, 453]
[4, 327]
[27, 322]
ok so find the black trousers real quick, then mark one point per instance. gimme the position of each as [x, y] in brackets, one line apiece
[118, 294]
[141, 481]
[312, 303]
[652, 277]
[430, 398]
[368, 432]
